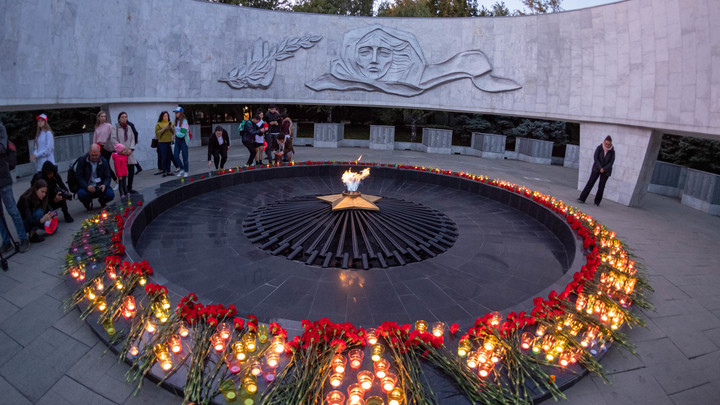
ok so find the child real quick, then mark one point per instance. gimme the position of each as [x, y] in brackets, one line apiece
[121, 170]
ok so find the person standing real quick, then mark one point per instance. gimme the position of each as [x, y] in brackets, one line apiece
[44, 143]
[164, 133]
[218, 147]
[248, 139]
[603, 160]
[101, 137]
[286, 131]
[138, 168]
[6, 194]
[273, 119]
[182, 129]
[122, 134]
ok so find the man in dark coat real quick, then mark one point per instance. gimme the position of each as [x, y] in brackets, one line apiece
[9, 200]
[603, 160]
[93, 176]
[58, 193]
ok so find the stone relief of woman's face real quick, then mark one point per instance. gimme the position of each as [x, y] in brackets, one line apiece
[374, 57]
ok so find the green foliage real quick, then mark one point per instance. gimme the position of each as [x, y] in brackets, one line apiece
[556, 131]
[542, 6]
[404, 8]
[499, 9]
[337, 7]
[21, 125]
[696, 153]
[264, 4]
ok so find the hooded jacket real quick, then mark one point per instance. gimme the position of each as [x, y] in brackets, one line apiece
[55, 184]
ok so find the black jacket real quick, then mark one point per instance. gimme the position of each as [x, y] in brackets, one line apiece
[84, 171]
[55, 184]
[26, 206]
[251, 129]
[603, 161]
[5, 177]
[269, 116]
[214, 146]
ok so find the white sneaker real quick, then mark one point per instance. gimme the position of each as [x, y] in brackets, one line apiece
[180, 173]
[185, 174]
[115, 187]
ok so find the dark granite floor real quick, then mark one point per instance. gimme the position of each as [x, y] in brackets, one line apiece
[501, 257]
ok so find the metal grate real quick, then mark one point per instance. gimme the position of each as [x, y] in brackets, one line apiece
[306, 229]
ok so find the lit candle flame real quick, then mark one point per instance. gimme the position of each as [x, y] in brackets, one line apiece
[352, 179]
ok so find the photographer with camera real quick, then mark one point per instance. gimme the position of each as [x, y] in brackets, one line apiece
[33, 207]
[58, 193]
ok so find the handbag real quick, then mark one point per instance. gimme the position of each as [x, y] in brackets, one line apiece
[154, 143]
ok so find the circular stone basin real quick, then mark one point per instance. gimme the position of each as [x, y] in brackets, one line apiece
[501, 257]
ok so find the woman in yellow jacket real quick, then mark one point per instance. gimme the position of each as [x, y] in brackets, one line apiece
[164, 131]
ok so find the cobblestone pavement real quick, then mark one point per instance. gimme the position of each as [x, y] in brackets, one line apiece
[51, 357]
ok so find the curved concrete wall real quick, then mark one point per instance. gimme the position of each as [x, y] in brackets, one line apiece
[653, 64]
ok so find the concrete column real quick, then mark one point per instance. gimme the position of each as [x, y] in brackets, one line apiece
[144, 116]
[636, 149]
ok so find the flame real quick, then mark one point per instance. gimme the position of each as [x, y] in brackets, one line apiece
[352, 180]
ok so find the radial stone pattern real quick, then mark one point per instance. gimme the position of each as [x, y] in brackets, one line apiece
[398, 233]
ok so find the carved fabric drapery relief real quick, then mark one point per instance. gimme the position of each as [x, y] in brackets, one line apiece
[378, 58]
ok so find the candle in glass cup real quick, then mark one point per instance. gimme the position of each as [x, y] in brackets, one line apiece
[175, 343]
[472, 359]
[223, 329]
[365, 379]
[376, 352]
[421, 326]
[374, 400]
[249, 383]
[336, 380]
[272, 358]
[388, 382]
[238, 349]
[464, 347]
[396, 396]
[183, 330]
[233, 364]
[356, 358]
[526, 340]
[338, 363]
[262, 333]
[218, 343]
[256, 369]
[372, 336]
[355, 393]
[101, 303]
[250, 341]
[150, 326]
[381, 368]
[335, 397]
[484, 369]
[438, 329]
[278, 344]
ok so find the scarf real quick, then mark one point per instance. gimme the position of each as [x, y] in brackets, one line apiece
[125, 127]
[606, 150]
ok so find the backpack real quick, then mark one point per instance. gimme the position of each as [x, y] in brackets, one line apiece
[72, 181]
[11, 155]
[244, 134]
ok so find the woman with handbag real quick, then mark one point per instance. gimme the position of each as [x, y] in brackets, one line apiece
[101, 136]
[164, 132]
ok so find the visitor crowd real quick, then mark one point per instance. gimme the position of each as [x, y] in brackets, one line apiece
[267, 135]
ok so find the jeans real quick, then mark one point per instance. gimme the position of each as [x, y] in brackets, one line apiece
[591, 182]
[251, 148]
[35, 217]
[165, 156]
[86, 197]
[270, 139]
[181, 145]
[9, 200]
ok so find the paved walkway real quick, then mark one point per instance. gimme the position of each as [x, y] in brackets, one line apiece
[50, 357]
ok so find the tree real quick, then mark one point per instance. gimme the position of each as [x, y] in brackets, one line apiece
[542, 6]
[404, 8]
[264, 4]
[337, 7]
[499, 9]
